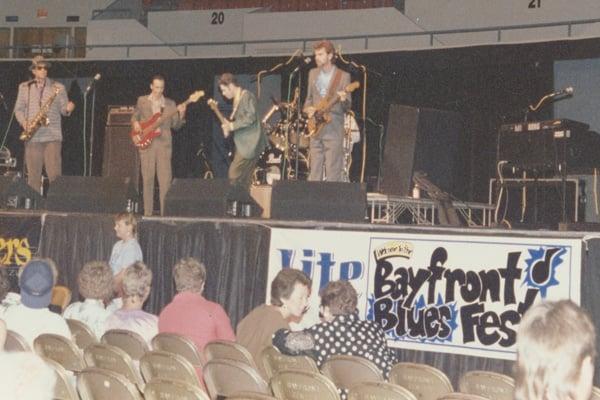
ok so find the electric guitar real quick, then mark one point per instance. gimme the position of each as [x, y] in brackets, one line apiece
[322, 116]
[214, 105]
[151, 127]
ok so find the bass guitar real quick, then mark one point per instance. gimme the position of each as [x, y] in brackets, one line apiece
[151, 127]
[322, 115]
[214, 105]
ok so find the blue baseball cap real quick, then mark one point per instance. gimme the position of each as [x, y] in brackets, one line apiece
[36, 283]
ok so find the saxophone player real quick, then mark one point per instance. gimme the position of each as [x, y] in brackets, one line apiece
[42, 100]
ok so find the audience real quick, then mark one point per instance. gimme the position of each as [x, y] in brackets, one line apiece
[190, 314]
[25, 376]
[289, 298]
[95, 282]
[32, 317]
[340, 332]
[556, 348]
[137, 281]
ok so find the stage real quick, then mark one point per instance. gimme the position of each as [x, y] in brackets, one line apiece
[241, 255]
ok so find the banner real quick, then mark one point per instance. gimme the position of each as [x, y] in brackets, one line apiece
[441, 293]
[19, 239]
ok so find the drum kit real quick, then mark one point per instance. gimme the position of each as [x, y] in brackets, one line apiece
[287, 154]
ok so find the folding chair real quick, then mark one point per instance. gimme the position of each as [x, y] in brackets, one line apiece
[15, 342]
[379, 390]
[303, 385]
[491, 385]
[250, 396]
[130, 342]
[461, 396]
[82, 334]
[160, 389]
[224, 349]
[112, 358]
[100, 384]
[164, 365]
[273, 361]
[226, 377]
[424, 381]
[347, 371]
[179, 344]
[64, 388]
[61, 350]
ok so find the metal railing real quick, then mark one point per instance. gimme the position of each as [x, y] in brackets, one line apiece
[182, 48]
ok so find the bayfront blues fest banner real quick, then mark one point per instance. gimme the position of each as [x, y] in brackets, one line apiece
[453, 294]
[19, 239]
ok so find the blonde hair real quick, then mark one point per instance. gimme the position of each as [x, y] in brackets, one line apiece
[553, 340]
[137, 280]
[189, 275]
[95, 280]
[128, 219]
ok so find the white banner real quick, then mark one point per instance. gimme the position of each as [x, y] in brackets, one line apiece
[442, 293]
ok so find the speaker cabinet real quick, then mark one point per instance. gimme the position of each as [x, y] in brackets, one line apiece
[92, 194]
[209, 198]
[320, 201]
[121, 158]
[421, 139]
[16, 193]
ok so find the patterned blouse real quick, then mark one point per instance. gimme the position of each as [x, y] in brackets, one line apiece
[346, 335]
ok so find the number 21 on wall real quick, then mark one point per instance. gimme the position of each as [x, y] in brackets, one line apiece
[535, 3]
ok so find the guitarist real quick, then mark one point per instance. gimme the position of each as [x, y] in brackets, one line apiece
[155, 160]
[325, 82]
[244, 124]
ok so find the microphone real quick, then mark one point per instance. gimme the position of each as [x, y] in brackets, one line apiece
[304, 62]
[566, 91]
[92, 83]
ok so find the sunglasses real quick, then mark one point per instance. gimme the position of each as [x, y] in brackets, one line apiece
[41, 67]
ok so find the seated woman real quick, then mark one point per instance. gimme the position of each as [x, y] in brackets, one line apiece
[289, 297]
[137, 281]
[95, 282]
[556, 348]
[340, 332]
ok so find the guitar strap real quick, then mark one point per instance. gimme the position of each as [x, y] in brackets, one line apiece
[333, 85]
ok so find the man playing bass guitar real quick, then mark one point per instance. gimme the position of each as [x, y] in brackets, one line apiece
[155, 159]
[326, 85]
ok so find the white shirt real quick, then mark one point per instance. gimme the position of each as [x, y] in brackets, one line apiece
[125, 253]
[32, 322]
[91, 312]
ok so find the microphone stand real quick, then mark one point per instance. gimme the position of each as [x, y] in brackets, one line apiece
[273, 69]
[93, 112]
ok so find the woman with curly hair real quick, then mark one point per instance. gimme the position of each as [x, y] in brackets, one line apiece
[95, 282]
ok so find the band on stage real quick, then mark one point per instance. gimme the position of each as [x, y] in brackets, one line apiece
[313, 141]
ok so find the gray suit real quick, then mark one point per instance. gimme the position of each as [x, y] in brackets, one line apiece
[156, 159]
[326, 149]
[44, 148]
[249, 139]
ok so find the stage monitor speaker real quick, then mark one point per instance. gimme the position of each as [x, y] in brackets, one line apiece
[16, 193]
[320, 201]
[209, 198]
[421, 139]
[120, 158]
[92, 194]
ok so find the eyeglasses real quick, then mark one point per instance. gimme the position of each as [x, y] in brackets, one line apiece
[41, 67]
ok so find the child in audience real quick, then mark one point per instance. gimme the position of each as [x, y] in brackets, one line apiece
[127, 250]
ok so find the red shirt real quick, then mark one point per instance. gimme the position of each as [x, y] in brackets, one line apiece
[190, 314]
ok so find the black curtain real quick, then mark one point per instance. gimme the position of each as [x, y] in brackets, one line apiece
[235, 255]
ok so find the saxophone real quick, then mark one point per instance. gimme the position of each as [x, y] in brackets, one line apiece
[40, 119]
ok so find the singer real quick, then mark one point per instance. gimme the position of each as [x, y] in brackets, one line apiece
[325, 82]
[43, 150]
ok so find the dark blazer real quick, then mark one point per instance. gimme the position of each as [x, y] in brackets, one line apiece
[248, 136]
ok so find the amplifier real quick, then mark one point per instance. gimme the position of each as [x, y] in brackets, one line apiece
[119, 115]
